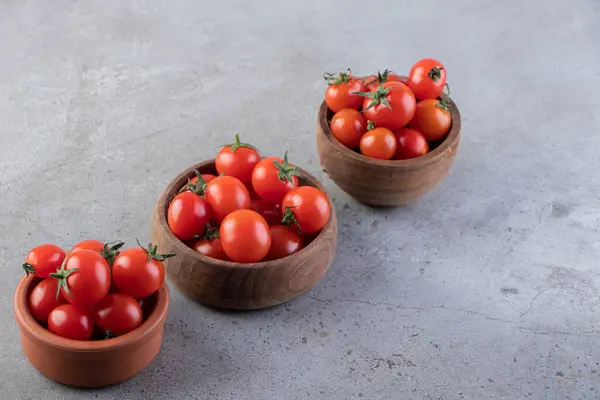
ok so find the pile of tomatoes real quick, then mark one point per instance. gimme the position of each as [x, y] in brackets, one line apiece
[253, 210]
[388, 117]
[96, 290]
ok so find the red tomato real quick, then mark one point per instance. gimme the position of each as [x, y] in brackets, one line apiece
[375, 80]
[210, 245]
[107, 250]
[188, 215]
[245, 236]
[90, 244]
[391, 106]
[411, 144]
[43, 260]
[84, 279]
[118, 313]
[273, 178]
[340, 92]
[432, 119]
[307, 207]
[427, 79]
[348, 126]
[198, 183]
[271, 212]
[285, 241]
[43, 299]
[378, 143]
[238, 160]
[226, 194]
[70, 322]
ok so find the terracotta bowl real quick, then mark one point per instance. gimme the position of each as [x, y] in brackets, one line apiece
[230, 285]
[89, 363]
[385, 182]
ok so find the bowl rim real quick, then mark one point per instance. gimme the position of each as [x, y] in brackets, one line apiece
[179, 181]
[31, 327]
[412, 163]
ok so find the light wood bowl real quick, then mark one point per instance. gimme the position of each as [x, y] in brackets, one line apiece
[230, 285]
[385, 182]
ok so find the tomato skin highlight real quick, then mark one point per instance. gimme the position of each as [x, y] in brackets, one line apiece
[70, 322]
[118, 313]
[44, 260]
[245, 236]
[226, 194]
[309, 206]
[188, 215]
[341, 95]
[378, 143]
[422, 84]
[411, 144]
[285, 241]
[134, 275]
[267, 184]
[271, 212]
[348, 126]
[211, 248]
[432, 121]
[402, 102]
[42, 299]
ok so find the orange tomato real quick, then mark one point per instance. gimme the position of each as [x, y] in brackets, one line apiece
[432, 118]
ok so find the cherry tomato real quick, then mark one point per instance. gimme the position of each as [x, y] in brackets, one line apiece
[432, 119]
[307, 207]
[188, 215]
[107, 250]
[90, 244]
[285, 241]
[378, 143]
[70, 322]
[269, 211]
[42, 299]
[348, 126]
[226, 194]
[398, 97]
[238, 160]
[273, 178]
[198, 183]
[85, 278]
[427, 79]
[139, 272]
[118, 313]
[210, 245]
[43, 260]
[411, 144]
[340, 92]
[375, 80]
[245, 236]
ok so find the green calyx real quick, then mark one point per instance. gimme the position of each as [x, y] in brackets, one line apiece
[289, 219]
[336, 79]
[381, 77]
[237, 144]
[435, 73]
[370, 125]
[111, 252]
[28, 268]
[62, 275]
[378, 96]
[108, 334]
[444, 104]
[198, 187]
[285, 171]
[209, 234]
[153, 253]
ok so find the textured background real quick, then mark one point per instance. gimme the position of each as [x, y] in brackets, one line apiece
[487, 288]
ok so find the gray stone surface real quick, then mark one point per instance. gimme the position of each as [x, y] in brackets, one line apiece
[487, 288]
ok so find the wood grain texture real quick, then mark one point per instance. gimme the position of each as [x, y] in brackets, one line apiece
[385, 182]
[230, 285]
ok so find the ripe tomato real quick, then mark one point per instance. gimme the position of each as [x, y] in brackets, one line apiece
[285, 241]
[70, 322]
[198, 183]
[411, 144]
[307, 207]
[210, 245]
[107, 250]
[226, 194]
[43, 260]
[378, 143]
[427, 79]
[118, 313]
[188, 215]
[375, 80]
[84, 278]
[245, 236]
[273, 178]
[391, 106]
[432, 119]
[90, 244]
[348, 126]
[340, 92]
[271, 212]
[238, 160]
[43, 299]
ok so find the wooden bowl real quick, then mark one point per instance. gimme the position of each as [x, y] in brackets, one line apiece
[89, 363]
[230, 285]
[385, 182]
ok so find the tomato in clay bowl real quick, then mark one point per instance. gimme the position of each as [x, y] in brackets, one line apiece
[270, 233]
[399, 143]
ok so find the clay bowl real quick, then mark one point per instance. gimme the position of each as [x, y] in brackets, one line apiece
[230, 285]
[385, 182]
[90, 363]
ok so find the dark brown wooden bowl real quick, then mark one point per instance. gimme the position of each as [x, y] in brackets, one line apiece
[230, 285]
[385, 182]
[89, 363]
